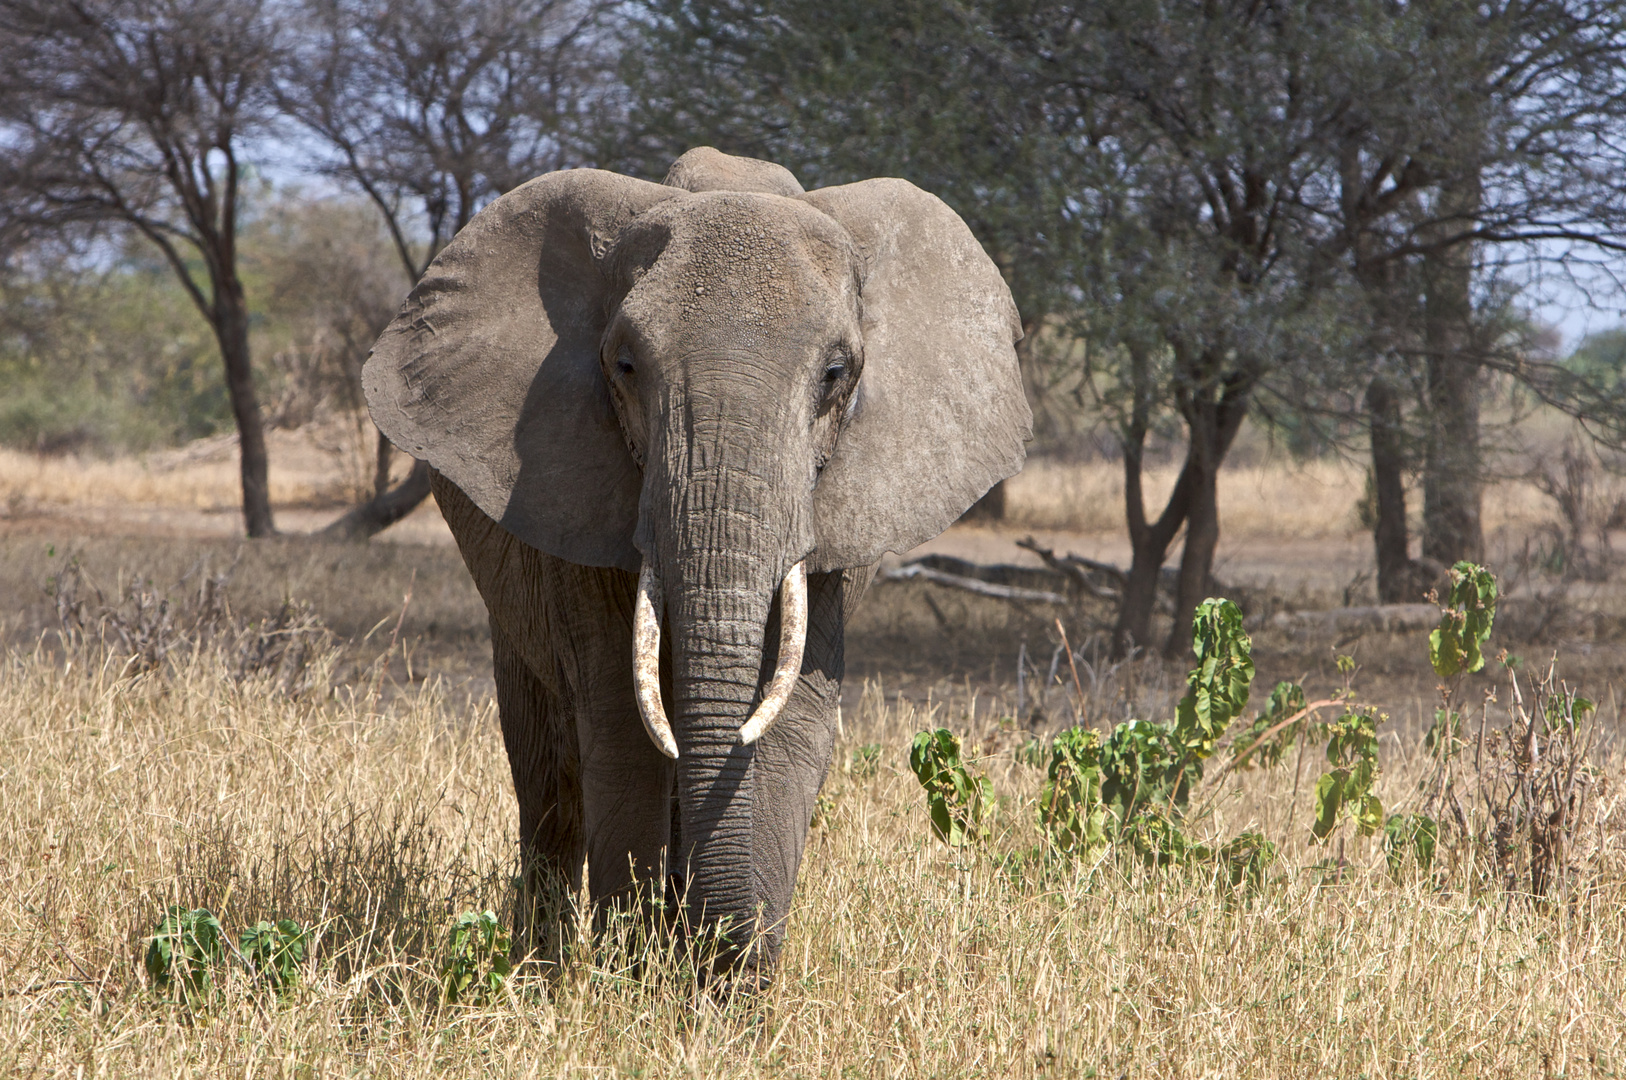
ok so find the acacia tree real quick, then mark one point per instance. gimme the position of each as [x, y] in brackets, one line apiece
[1477, 141]
[1208, 273]
[431, 108]
[137, 114]
[1224, 200]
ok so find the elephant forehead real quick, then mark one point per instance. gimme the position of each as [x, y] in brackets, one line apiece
[752, 258]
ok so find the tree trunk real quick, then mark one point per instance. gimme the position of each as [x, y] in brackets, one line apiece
[231, 331]
[1452, 485]
[1197, 556]
[1389, 535]
[383, 457]
[1213, 426]
[1149, 546]
[1148, 541]
[384, 509]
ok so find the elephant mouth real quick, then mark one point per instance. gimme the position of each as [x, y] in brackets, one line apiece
[646, 651]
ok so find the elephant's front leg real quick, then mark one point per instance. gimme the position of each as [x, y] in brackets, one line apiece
[547, 783]
[627, 797]
[626, 781]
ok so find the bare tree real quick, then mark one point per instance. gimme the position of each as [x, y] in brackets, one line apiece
[136, 113]
[431, 108]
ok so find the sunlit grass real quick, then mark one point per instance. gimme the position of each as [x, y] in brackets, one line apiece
[376, 818]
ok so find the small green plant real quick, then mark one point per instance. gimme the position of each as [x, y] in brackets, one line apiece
[1456, 646]
[1253, 747]
[1144, 763]
[1217, 688]
[865, 762]
[185, 948]
[1246, 859]
[274, 952]
[476, 966]
[1070, 811]
[961, 803]
[1346, 790]
[1409, 834]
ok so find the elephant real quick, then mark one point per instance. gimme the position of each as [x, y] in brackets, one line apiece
[673, 428]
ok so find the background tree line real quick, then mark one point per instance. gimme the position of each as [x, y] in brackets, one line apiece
[1328, 216]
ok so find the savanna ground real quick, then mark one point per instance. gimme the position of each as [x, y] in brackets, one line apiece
[337, 761]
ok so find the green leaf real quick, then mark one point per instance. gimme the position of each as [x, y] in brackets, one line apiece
[1217, 688]
[1329, 797]
[1457, 645]
[184, 948]
[958, 803]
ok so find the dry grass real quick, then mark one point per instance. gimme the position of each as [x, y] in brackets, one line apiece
[329, 463]
[325, 463]
[1313, 500]
[377, 817]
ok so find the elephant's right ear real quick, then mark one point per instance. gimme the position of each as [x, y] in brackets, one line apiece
[490, 371]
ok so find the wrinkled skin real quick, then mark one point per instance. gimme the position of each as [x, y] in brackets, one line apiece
[723, 377]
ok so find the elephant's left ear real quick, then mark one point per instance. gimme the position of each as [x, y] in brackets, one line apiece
[939, 416]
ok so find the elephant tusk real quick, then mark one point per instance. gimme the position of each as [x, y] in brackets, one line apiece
[646, 663]
[792, 640]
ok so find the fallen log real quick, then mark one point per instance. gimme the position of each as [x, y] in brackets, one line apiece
[1081, 571]
[911, 571]
[1380, 618]
[1042, 578]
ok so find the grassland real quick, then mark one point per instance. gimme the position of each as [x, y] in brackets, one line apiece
[369, 797]
[375, 816]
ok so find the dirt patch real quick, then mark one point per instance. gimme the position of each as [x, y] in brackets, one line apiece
[168, 517]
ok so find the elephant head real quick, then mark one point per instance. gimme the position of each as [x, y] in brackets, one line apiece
[721, 383]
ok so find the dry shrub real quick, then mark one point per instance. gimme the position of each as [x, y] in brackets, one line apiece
[142, 629]
[1536, 782]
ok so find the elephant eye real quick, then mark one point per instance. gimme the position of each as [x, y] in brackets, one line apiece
[835, 371]
[623, 362]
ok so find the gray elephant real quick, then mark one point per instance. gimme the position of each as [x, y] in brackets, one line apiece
[673, 428]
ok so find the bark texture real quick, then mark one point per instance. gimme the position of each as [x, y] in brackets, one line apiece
[1452, 469]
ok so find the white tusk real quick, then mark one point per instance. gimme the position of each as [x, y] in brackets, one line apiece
[792, 639]
[646, 663]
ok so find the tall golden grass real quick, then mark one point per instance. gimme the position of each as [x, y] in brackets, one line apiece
[324, 462]
[375, 816]
[1311, 500]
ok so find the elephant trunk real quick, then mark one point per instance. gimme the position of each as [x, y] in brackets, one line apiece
[725, 541]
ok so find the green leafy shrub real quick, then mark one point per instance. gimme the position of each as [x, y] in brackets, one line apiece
[274, 952]
[1144, 763]
[476, 965]
[1409, 834]
[1070, 811]
[961, 803]
[1346, 790]
[184, 950]
[1217, 688]
[1456, 646]
[1141, 765]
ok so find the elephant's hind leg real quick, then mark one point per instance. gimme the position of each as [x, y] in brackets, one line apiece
[540, 736]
